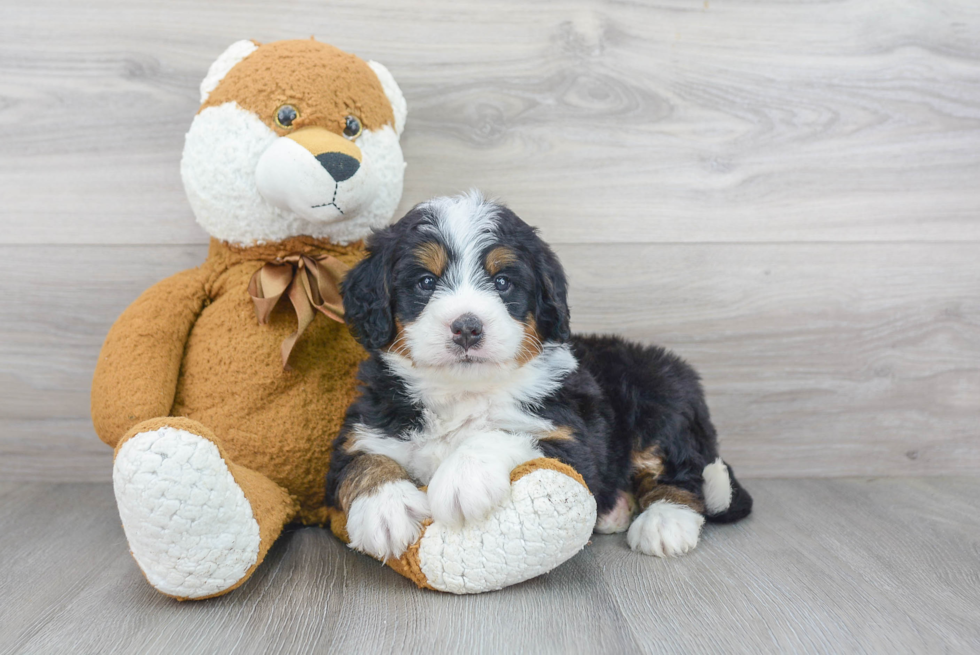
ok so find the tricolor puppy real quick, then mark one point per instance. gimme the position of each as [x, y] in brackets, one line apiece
[473, 371]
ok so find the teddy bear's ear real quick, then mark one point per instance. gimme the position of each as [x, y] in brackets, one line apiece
[394, 94]
[231, 56]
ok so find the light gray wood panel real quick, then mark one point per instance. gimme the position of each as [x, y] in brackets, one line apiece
[54, 450]
[60, 303]
[818, 359]
[671, 121]
[829, 359]
[886, 565]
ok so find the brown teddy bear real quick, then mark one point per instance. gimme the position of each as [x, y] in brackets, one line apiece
[221, 388]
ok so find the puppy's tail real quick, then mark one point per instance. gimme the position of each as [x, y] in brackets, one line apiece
[725, 500]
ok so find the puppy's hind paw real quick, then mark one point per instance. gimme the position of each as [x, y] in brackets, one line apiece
[665, 529]
[386, 522]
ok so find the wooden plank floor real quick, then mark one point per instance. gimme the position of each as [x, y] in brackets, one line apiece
[846, 565]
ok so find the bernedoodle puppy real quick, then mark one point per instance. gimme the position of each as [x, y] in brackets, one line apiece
[473, 371]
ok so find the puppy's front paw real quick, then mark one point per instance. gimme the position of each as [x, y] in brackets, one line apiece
[389, 520]
[466, 489]
[665, 529]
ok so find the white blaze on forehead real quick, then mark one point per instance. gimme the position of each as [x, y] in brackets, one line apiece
[467, 223]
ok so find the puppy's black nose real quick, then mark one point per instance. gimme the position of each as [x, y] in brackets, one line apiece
[340, 166]
[467, 331]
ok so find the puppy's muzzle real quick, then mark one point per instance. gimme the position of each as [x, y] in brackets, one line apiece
[467, 331]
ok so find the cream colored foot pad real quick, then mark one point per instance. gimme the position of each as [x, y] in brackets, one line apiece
[188, 522]
[548, 518]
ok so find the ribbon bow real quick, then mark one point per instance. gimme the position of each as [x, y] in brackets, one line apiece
[312, 285]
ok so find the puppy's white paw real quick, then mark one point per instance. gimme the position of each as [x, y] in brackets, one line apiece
[389, 520]
[665, 529]
[466, 488]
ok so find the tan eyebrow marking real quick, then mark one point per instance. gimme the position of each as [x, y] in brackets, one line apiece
[432, 256]
[498, 258]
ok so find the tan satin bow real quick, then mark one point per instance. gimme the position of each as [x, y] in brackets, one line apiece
[312, 285]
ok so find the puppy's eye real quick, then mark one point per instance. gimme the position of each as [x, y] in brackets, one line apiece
[285, 116]
[502, 283]
[352, 127]
[427, 282]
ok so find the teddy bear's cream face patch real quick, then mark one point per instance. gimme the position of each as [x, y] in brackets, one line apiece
[329, 165]
[315, 174]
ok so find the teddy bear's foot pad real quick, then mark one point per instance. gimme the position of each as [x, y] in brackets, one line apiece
[547, 519]
[188, 523]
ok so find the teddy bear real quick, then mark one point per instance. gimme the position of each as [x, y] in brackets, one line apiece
[222, 387]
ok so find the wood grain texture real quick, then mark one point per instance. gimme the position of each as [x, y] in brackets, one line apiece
[667, 121]
[784, 193]
[847, 565]
[818, 359]
[62, 301]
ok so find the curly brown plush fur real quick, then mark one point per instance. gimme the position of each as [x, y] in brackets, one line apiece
[190, 346]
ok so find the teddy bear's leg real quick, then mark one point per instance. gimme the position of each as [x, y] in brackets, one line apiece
[547, 519]
[196, 523]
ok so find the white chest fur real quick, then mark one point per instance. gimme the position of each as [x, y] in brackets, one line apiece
[481, 413]
[476, 423]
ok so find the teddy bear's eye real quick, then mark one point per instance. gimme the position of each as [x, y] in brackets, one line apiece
[285, 116]
[352, 127]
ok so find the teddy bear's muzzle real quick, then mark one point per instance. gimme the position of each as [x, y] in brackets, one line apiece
[314, 173]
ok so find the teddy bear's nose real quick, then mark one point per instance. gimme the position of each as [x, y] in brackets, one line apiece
[340, 166]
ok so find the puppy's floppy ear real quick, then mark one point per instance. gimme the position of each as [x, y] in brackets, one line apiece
[367, 294]
[552, 315]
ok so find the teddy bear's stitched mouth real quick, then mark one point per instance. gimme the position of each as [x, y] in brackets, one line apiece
[333, 201]
[329, 204]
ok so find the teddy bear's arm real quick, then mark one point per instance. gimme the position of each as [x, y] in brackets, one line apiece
[136, 375]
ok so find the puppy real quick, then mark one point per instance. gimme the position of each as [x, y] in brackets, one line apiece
[473, 371]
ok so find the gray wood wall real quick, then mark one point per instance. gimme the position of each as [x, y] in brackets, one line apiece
[787, 194]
